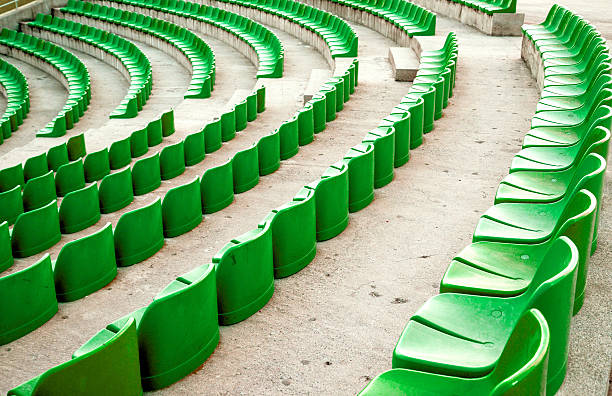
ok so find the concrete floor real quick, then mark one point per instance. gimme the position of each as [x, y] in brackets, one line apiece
[332, 327]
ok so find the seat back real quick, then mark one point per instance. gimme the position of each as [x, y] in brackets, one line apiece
[552, 293]
[179, 330]
[522, 366]
[107, 364]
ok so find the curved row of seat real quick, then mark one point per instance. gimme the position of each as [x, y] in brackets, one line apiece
[200, 57]
[67, 167]
[59, 62]
[171, 349]
[130, 58]
[15, 88]
[218, 184]
[83, 204]
[530, 251]
[339, 37]
[490, 6]
[241, 279]
[412, 19]
[269, 52]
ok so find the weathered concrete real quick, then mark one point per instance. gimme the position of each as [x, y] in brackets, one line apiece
[497, 24]
[317, 77]
[403, 63]
[11, 19]
[332, 327]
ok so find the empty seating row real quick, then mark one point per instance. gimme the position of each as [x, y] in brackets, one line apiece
[84, 203]
[338, 36]
[15, 88]
[171, 350]
[68, 68]
[244, 270]
[530, 251]
[66, 168]
[490, 6]
[410, 18]
[130, 58]
[200, 58]
[282, 244]
[269, 52]
[492, 17]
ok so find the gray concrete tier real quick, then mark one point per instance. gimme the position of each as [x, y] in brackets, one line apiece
[404, 64]
[496, 24]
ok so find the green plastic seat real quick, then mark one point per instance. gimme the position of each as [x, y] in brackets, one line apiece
[252, 102]
[70, 177]
[11, 205]
[383, 140]
[120, 153]
[245, 275]
[35, 166]
[228, 125]
[96, 165]
[415, 108]
[182, 209]
[305, 118]
[116, 191]
[6, 255]
[332, 201]
[179, 330]
[521, 369]
[139, 234]
[36, 231]
[39, 191]
[562, 158]
[154, 133]
[217, 187]
[195, 149]
[245, 169]
[360, 162]
[11, 177]
[139, 144]
[268, 151]
[57, 156]
[329, 91]
[212, 136]
[289, 138]
[294, 237]
[79, 209]
[28, 300]
[108, 363]
[240, 112]
[401, 124]
[567, 136]
[548, 186]
[530, 222]
[167, 120]
[261, 99]
[76, 147]
[172, 161]
[319, 112]
[465, 335]
[85, 265]
[146, 174]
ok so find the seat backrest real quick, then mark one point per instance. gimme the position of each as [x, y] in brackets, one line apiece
[109, 361]
[522, 366]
